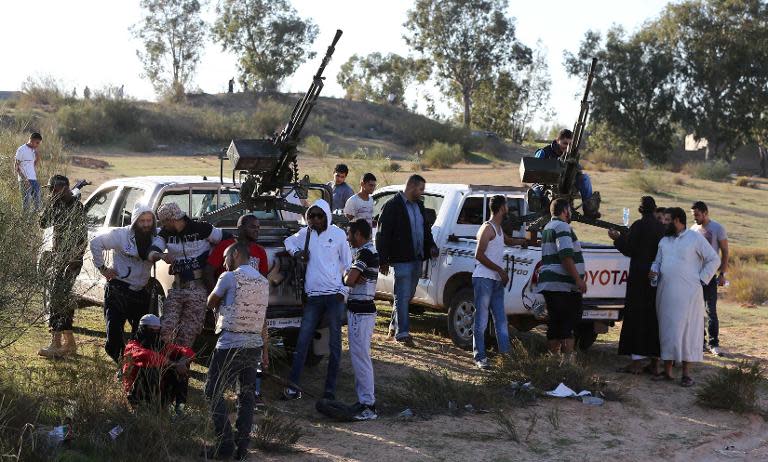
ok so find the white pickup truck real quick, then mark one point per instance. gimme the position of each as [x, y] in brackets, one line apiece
[456, 212]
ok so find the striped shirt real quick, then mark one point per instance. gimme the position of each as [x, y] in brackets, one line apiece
[361, 296]
[557, 242]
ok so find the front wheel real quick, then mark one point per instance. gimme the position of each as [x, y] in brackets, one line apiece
[461, 318]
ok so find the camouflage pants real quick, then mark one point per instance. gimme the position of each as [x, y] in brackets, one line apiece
[61, 302]
[184, 314]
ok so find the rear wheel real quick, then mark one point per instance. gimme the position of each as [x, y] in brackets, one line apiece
[461, 318]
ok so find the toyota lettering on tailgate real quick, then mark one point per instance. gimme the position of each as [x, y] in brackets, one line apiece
[606, 277]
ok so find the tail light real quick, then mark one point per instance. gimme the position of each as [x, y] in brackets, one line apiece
[535, 277]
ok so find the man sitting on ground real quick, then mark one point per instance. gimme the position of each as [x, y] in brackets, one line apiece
[152, 369]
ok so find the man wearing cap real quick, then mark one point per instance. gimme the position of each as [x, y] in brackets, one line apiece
[66, 215]
[153, 370]
[126, 296]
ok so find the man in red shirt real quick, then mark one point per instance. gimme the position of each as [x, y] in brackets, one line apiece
[248, 232]
[152, 369]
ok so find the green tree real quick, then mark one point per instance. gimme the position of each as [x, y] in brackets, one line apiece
[720, 49]
[495, 101]
[172, 32]
[375, 77]
[269, 37]
[467, 41]
[634, 89]
[534, 83]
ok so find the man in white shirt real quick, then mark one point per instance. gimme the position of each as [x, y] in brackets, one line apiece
[361, 204]
[325, 249]
[25, 162]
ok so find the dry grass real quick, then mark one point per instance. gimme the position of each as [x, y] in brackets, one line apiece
[649, 182]
[748, 283]
[276, 433]
[733, 388]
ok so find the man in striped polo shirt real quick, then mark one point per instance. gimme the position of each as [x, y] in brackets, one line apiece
[561, 278]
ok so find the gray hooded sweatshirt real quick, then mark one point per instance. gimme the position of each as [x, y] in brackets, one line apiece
[329, 256]
[126, 262]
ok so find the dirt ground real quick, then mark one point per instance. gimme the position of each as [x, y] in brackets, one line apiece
[655, 421]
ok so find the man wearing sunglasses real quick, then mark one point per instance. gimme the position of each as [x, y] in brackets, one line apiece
[323, 246]
[66, 215]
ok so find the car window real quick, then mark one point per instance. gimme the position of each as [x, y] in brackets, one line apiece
[432, 204]
[98, 206]
[180, 198]
[379, 201]
[471, 212]
[124, 210]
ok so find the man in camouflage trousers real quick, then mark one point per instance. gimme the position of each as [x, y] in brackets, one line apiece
[66, 215]
[188, 244]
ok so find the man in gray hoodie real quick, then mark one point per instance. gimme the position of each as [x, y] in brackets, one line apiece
[126, 297]
[328, 256]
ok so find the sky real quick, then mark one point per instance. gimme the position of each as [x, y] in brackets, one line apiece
[88, 42]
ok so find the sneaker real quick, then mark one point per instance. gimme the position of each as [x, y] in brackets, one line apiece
[366, 412]
[483, 364]
[290, 394]
[715, 351]
[407, 341]
[258, 401]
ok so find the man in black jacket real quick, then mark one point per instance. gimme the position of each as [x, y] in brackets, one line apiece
[404, 240]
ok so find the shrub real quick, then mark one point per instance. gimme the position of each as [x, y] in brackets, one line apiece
[748, 283]
[746, 182]
[618, 160]
[276, 433]
[713, 171]
[436, 392]
[733, 388]
[544, 371]
[442, 155]
[649, 182]
[270, 117]
[84, 123]
[316, 146]
[42, 91]
[141, 141]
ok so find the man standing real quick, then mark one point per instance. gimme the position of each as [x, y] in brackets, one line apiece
[25, 163]
[361, 315]
[126, 297]
[715, 234]
[240, 301]
[561, 277]
[640, 329]
[684, 263]
[555, 150]
[659, 214]
[323, 246]
[404, 240]
[360, 205]
[489, 280]
[70, 237]
[341, 190]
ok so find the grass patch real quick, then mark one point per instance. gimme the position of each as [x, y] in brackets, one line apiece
[316, 146]
[649, 182]
[442, 155]
[713, 171]
[438, 393]
[746, 182]
[276, 433]
[748, 283]
[733, 388]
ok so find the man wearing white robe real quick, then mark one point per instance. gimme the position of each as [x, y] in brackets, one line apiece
[685, 261]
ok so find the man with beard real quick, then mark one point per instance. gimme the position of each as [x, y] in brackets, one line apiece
[126, 297]
[153, 370]
[685, 262]
[70, 237]
[640, 329]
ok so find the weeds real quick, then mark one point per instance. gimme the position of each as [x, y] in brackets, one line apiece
[442, 155]
[651, 183]
[746, 182]
[276, 433]
[436, 392]
[713, 171]
[748, 283]
[507, 427]
[316, 146]
[733, 388]
[554, 418]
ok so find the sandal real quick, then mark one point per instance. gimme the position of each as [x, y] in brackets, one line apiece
[662, 377]
[686, 381]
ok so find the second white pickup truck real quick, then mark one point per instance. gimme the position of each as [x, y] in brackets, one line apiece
[456, 212]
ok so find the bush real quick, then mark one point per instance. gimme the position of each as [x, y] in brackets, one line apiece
[84, 123]
[746, 182]
[733, 388]
[436, 392]
[270, 117]
[712, 171]
[276, 433]
[316, 146]
[42, 91]
[614, 159]
[442, 155]
[141, 141]
[605, 147]
[649, 182]
[748, 283]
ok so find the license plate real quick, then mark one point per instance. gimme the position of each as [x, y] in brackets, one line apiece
[612, 315]
[281, 323]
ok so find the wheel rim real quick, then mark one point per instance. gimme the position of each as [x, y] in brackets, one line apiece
[463, 319]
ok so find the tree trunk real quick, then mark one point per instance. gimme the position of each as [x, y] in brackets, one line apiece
[467, 108]
[763, 153]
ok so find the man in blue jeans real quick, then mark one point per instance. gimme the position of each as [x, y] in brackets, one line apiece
[25, 163]
[489, 280]
[327, 254]
[404, 240]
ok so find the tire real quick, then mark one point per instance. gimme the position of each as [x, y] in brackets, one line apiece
[584, 335]
[461, 316]
[156, 297]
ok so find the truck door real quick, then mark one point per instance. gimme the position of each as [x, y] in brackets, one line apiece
[98, 209]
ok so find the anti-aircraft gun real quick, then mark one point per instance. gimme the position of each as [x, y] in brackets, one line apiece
[557, 178]
[268, 168]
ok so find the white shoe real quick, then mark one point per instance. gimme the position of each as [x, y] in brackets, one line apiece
[483, 364]
[715, 351]
[368, 412]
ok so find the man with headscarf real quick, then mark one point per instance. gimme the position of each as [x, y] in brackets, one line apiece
[323, 246]
[685, 262]
[640, 329]
[126, 297]
[66, 215]
[153, 370]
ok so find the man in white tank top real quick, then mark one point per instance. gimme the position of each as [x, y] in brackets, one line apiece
[489, 279]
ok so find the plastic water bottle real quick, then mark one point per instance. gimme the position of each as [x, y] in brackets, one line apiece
[625, 218]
